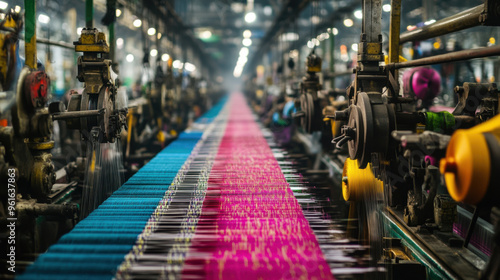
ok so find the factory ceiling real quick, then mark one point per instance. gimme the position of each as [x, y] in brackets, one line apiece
[215, 30]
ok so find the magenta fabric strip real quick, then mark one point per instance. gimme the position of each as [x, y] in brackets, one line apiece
[251, 226]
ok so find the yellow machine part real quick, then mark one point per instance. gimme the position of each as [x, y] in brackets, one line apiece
[92, 42]
[160, 136]
[401, 59]
[314, 68]
[356, 182]
[6, 49]
[334, 128]
[467, 165]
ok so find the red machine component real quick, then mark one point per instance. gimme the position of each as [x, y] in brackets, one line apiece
[36, 87]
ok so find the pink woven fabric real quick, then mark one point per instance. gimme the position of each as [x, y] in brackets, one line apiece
[251, 226]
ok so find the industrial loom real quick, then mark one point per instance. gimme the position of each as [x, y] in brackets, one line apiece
[215, 204]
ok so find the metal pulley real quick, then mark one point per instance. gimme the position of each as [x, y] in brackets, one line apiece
[310, 110]
[369, 123]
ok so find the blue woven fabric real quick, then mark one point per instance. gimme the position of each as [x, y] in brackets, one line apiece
[98, 244]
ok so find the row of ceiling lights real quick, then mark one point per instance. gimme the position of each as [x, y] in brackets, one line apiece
[243, 54]
[251, 17]
[154, 52]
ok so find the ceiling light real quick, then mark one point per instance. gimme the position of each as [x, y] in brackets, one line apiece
[165, 57]
[137, 22]
[358, 14]
[315, 19]
[158, 36]
[323, 36]
[348, 22]
[244, 51]
[119, 43]
[237, 7]
[42, 18]
[335, 31]
[3, 5]
[247, 42]
[153, 52]
[17, 9]
[268, 10]
[129, 57]
[250, 17]
[238, 70]
[386, 7]
[118, 12]
[177, 64]
[151, 31]
[310, 44]
[242, 60]
[289, 37]
[189, 67]
[354, 47]
[247, 34]
[205, 34]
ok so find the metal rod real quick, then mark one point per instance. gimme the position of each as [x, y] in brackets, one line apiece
[112, 46]
[332, 58]
[372, 20]
[337, 74]
[112, 38]
[472, 225]
[43, 209]
[463, 20]
[395, 26]
[52, 43]
[89, 13]
[30, 33]
[450, 57]
[76, 114]
[394, 30]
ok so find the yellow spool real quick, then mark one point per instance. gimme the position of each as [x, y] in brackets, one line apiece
[356, 182]
[467, 165]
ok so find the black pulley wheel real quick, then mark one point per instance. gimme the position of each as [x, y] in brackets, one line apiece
[307, 106]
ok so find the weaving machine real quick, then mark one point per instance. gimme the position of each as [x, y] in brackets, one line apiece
[411, 190]
[399, 146]
[213, 204]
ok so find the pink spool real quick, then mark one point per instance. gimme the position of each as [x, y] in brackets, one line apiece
[422, 83]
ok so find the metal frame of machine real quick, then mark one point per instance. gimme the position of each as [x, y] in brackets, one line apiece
[400, 145]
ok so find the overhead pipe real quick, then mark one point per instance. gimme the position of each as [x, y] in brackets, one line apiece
[463, 20]
[449, 57]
